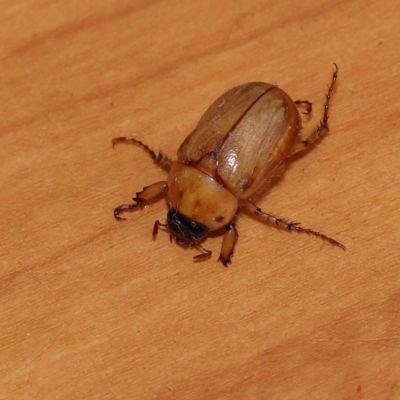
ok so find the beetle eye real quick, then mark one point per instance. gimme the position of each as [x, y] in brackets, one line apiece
[185, 229]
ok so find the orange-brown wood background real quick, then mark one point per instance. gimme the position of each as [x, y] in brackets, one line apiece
[93, 308]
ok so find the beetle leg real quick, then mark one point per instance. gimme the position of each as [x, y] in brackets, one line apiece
[202, 256]
[284, 223]
[322, 128]
[155, 229]
[160, 158]
[148, 193]
[228, 244]
[308, 105]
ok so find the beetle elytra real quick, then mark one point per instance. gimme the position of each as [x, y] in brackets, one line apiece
[241, 142]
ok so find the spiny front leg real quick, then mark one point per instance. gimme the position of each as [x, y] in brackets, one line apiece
[228, 244]
[159, 158]
[322, 129]
[148, 193]
[287, 224]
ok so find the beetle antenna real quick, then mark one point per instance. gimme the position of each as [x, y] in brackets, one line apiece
[160, 158]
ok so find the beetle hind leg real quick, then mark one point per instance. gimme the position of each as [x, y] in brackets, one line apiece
[288, 225]
[322, 128]
[159, 158]
[148, 194]
[228, 244]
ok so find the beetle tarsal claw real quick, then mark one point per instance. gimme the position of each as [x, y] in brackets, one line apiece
[121, 208]
[225, 262]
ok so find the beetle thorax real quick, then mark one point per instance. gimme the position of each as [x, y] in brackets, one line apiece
[199, 197]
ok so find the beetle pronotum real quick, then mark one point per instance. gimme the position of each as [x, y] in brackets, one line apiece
[241, 142]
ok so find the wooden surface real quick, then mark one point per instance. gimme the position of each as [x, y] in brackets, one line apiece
[93, 308]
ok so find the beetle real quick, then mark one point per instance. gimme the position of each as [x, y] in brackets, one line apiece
[240, 144]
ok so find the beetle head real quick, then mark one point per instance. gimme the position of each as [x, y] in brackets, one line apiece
[185, 230]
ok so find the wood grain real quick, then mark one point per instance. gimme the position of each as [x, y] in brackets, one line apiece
[95, 309]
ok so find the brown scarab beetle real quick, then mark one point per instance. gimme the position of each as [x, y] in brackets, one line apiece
[241, 142]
